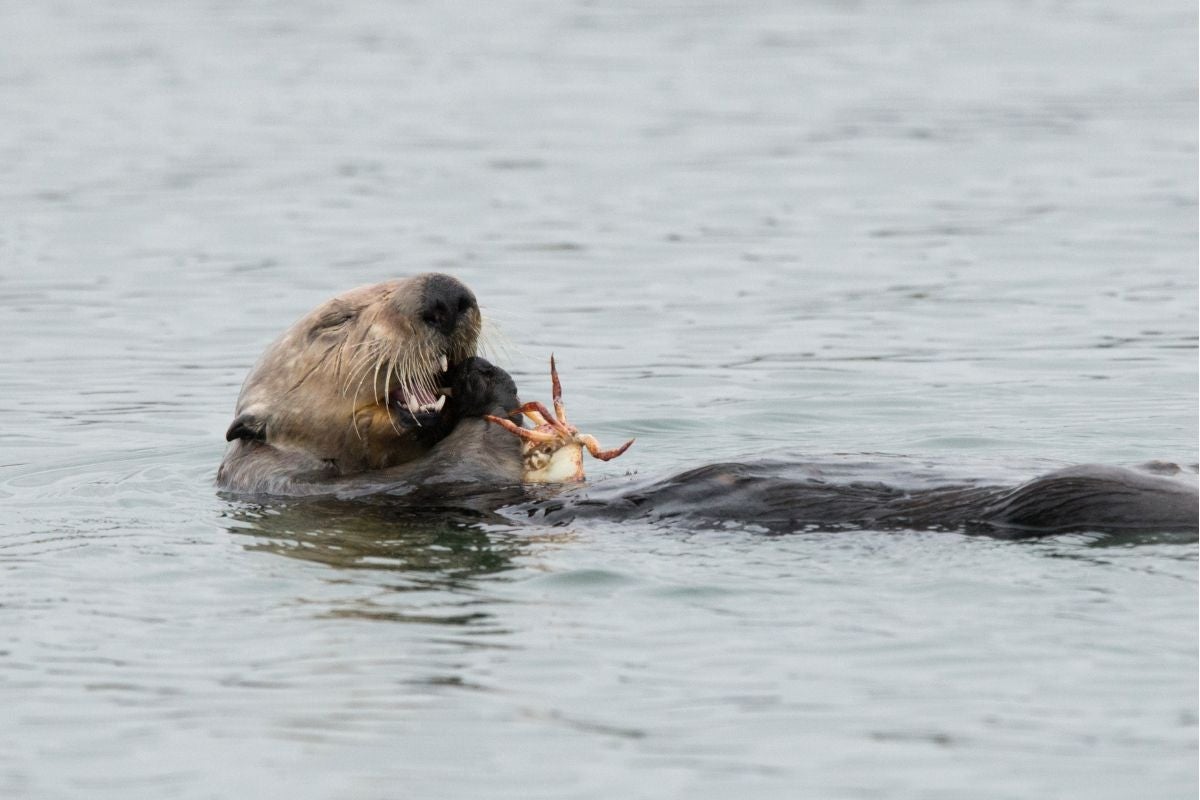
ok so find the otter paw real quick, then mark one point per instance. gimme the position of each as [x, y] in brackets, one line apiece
[478, 387]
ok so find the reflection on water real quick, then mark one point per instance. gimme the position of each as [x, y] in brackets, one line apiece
[450, 549]
[436, 556]
[440, 546]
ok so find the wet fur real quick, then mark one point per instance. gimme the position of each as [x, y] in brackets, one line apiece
[314, 416]
[784, 497]
[475, 453]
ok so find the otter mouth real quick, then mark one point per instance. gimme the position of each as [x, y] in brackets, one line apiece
[419, 401]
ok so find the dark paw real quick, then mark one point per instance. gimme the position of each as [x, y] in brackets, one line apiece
[479, 388]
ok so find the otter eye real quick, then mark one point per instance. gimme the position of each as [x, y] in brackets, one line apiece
[331, 321]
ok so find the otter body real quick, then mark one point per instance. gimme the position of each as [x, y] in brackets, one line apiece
[379, 392]
[785, 497]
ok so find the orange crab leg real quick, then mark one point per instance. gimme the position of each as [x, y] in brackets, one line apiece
[560, 410]
[524, 433]
[537, 419]
[541, 410]
[593, 447]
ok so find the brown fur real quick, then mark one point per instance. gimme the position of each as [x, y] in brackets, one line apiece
[316, 406]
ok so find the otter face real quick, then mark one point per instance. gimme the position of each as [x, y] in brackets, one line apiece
[356, 382]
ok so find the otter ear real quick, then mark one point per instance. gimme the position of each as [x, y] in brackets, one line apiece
[247, 426]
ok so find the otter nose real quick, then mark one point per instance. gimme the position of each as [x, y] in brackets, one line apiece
[445, 302]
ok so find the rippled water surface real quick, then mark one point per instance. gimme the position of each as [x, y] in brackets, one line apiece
[957, 236]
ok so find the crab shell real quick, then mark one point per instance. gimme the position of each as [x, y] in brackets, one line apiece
[552, 462]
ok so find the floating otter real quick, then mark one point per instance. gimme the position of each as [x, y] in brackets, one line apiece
[378, 392]
[378, 385]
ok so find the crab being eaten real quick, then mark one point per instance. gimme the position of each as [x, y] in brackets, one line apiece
[552, 451]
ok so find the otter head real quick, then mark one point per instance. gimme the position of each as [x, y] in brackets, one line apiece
[354, 385]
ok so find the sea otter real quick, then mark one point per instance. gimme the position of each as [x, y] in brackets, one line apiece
[379, 392]
[377, 386]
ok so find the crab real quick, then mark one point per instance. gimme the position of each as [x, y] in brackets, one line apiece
[552, 451]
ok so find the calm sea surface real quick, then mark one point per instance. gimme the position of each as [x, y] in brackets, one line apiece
[936, 235]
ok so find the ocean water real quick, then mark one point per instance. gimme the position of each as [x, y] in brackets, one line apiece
[942, 236]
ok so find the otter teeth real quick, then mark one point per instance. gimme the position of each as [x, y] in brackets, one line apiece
[444, 363]
[429, 408]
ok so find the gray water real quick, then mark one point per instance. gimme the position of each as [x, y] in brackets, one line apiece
[945, 236]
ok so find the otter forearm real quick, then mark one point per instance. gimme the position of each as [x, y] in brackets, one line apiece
[474, 452]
